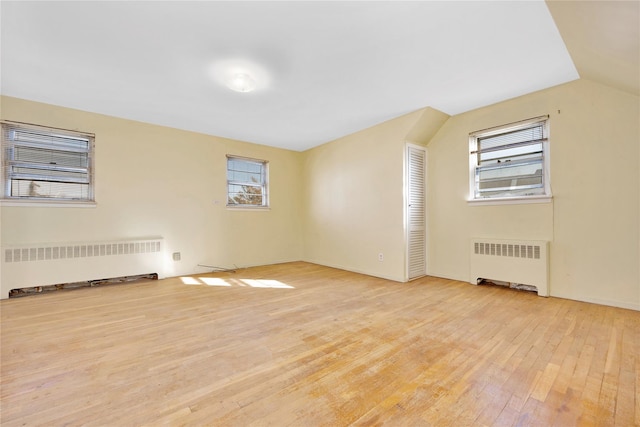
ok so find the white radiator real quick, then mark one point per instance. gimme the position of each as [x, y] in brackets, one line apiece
[46, 264]
[523, 262]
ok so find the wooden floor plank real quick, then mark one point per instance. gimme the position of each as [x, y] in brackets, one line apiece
[321, 347]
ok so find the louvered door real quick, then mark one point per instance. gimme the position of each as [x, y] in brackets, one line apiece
[416, 234]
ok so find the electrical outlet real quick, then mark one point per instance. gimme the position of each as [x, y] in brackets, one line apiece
[176, 256]
[380, 257]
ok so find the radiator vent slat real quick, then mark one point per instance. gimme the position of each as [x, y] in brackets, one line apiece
[507, 250]
[48, 253]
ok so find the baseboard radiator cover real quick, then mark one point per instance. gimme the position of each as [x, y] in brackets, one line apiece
[524, 262]
[47, 264]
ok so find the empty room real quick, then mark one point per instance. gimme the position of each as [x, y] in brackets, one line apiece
[298, 213]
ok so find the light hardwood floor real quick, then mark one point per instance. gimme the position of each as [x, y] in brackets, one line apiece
[332, 348]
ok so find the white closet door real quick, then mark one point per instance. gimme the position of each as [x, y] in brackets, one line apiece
[416, 215]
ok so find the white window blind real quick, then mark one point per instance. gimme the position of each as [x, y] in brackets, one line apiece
[510, 161]
[247, 182]
[47, 164]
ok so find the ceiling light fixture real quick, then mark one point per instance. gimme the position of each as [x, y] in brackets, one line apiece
[241, 82]
[239, 74]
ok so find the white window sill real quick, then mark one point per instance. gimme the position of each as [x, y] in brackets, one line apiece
[510, 201]
[46, 204]
[248, 208]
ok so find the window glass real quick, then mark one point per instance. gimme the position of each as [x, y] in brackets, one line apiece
[46, 164]
[510, 161]
[246, 182]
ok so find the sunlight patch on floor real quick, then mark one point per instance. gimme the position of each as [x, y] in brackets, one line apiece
[216, 281]
[264, 283]
[190, 281]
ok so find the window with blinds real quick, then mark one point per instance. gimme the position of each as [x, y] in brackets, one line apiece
[247, 182]
[46, 164]
[510, 161]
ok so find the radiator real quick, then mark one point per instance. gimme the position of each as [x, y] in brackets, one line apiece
[523, 262]
[46, 264]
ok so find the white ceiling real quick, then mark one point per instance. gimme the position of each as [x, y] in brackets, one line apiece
[323, 69]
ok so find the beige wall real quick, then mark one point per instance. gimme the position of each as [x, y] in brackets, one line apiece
[342, 203]
[593, 221]
[353, 200]
[157, 181]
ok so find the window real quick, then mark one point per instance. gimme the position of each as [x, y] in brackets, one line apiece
[247, 182]
[510, 161]
[46, 164]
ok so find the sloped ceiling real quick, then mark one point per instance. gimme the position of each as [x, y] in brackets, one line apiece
[322, 69]
[603, 38]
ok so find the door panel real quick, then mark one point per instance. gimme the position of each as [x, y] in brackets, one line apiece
[416, 213]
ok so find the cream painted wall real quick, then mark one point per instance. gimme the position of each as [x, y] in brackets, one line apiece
[342, 203]
[157, 181]
[353, 205]
[593, 221]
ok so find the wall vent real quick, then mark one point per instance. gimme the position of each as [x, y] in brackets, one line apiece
[45, 264]
[47, 253]
[507, 249]
[523, 262]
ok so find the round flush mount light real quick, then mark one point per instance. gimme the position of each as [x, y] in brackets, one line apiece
[240, 74]
[241, 82]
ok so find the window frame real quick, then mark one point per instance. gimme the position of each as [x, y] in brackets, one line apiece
[474, 137]
[8, 147]
[264, 184]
